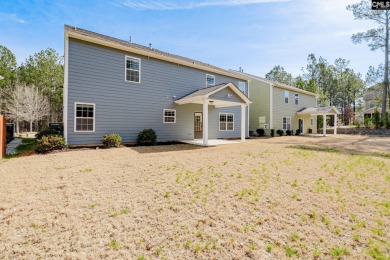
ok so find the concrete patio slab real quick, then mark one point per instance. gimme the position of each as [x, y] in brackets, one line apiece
[212, 142]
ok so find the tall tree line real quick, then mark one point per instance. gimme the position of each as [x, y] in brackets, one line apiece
[32, 91]
[336, 84]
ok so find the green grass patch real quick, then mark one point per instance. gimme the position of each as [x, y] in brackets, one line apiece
[27, 147]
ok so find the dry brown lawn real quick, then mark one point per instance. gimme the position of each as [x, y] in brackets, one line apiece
[302, 197]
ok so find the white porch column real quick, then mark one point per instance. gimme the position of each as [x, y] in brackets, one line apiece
[335, 124]
[206, 122]
[324, 125]
[243, 118]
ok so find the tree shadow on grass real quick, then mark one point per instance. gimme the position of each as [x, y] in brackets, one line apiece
[335, 150]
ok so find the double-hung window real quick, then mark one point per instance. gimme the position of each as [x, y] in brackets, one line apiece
[286, 123]
[296, 98]
[242, 86]
[226, 122]
[133, 69]
[84, 117]
[169, 116]
[210, 80]
[286, 96]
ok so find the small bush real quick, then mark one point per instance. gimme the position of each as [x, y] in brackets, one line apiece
[272, 132]
[368, 122]
[260, 132]
[297, 132]
[49, 143]
[377, 119]
[111, 140]
[280, 132]
[289, 132]
[47, 132]
[386, 121]
[147, 137]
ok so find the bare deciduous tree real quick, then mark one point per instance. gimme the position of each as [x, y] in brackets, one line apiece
[36, 106]
[24, 103]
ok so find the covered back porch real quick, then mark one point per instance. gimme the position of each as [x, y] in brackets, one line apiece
[220, 96]
[322, 111]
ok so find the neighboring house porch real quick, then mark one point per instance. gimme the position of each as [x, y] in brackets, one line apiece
[322, 111]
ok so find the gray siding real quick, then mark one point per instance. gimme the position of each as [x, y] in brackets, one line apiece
[226, 94]
[97, 75]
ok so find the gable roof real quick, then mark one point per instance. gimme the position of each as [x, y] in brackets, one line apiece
[100, 39]
[204, 93]
[275, 83]
[319, 110]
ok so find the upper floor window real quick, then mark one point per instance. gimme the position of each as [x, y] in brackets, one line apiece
[210, 80]
[242, 86]
[133, 69]
[84, 117]
[286, 96]
[296, 98]
[169, 116]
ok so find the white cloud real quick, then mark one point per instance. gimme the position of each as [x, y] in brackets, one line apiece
[11, 17]
[174, 5]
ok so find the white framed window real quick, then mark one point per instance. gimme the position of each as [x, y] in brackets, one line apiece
[296, 99]
[84, 117]
[226, 122]
[286, 96]
[133, 69]
[210, 80]
[242, 86]
[311, 121]
[286, 123]
[169, 116]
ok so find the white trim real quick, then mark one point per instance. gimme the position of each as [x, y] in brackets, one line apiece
[139, 69]
[235, 89]
[286, 123]
[271, 106]
[275, 83]
[219, 122]
[243, 112]
[295, 95]
[65, 97]
[205, 133]
[94, 116]
[288, 97]
[200, 99]
[207, 83]
[248, 114]
[174, 117]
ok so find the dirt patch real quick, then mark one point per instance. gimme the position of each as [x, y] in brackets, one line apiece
[269, 198]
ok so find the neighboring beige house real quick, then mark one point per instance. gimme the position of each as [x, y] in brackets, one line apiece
[279, 106]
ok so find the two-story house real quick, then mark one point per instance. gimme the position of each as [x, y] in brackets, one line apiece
[280, 106]
[115, 86]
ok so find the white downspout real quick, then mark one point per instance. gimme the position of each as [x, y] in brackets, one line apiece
[271, 105]
[65, 98]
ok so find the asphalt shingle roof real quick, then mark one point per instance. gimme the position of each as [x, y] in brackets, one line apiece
[141, 47]
[204, 91]
[315, 109]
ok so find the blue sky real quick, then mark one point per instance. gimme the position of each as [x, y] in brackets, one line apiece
[253, 34]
